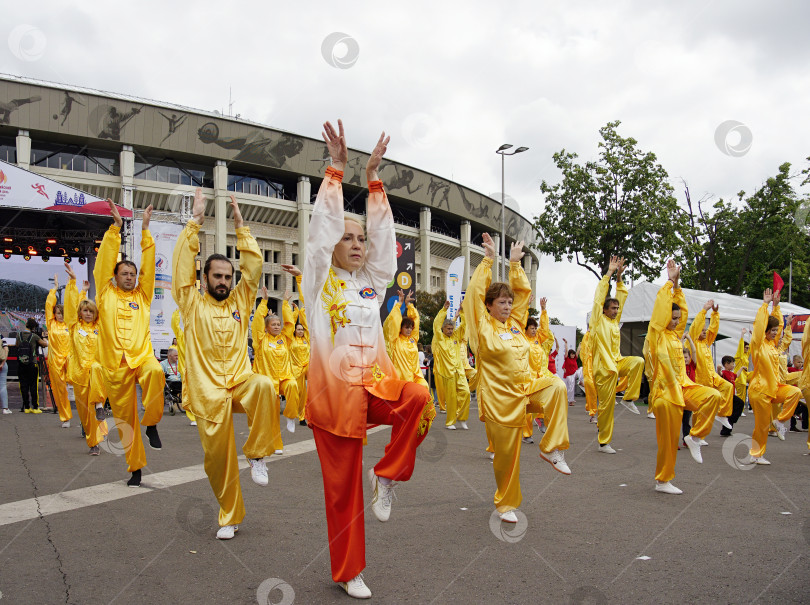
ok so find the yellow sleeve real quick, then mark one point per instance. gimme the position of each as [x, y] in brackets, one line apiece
[602, 290]
[287, 322]
[50, 303]
[302, 319]
[257, 327]
[107, 257]
[787, 338]
[461, 330]
[738, 354]
[393, 323]
[621, 295]
[523, 293]
[714, 328]
[544, 332]
[473, 303]
[250, 265]
[146, 277]
[697, 325]
[300, 291]
[71, 304]
[760, 324]
[176, 324]
[413, 313]
[439, 322]
[680, 300]
[184, 267]
[662, 308]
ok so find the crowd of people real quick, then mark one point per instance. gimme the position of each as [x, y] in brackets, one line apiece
[340, 369]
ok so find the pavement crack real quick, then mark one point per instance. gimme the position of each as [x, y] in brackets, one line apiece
[48, 533]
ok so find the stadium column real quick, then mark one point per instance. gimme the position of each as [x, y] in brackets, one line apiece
[424, 244]
[466, 236]
[127, 161]
[533, 276]
[23, 149]
[221, 201]
[303, 195]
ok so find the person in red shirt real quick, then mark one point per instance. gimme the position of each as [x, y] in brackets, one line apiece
[738, 404]
[552, 357]
[570, 368]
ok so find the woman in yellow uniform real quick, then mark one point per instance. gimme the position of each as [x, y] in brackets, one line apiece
[497, 314]
[83, 372]
[671, 389]
[401, 337]
[452, 389]
[765, 389]
[541, 339]
[58, 350]
[586, 355]
[741, 366]
[180, 337]
[271, 348]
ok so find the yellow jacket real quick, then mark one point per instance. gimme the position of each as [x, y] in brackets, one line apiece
[299, 346]
[446, 349]
[501, 349]
[404, 352]
[741, 357]
[58, 334]
[181, 342]
[664, 348]
[216, 331]
[540, 346]
[83, 338]
[765, 377]
[586, 355]
[804, 379]
[271, 354]
[705, 371]
[784, 347]
[124, 316]
[606, 338]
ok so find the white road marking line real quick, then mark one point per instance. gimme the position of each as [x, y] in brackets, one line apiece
[25, 510]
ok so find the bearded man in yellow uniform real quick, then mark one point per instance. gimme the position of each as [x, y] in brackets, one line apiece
[219, 381]
[124, 298]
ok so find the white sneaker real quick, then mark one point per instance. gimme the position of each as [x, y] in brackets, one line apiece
[761, 460]
[382, 496]
[226, 532]
[278, 452]
[66, 425]
[6, 411]
[290, 425]
[694, 448]
[356, 587]
[509, 516]
[442, 411]
[630, 405]
[450, 427]
[781, 429]
[528, 440]
[193, 423]
[464, 425]
[490, 455]
[258, 471]
[651, 415]
[556, 459]
[667, 488]
[606, 449]
[703, 443]
[742, 414]
[724, 422]
[592, 420]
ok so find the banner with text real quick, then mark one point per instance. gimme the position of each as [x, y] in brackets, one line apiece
[405, 278]
[455, 275]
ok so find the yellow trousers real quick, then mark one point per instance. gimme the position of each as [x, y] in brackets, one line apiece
[456, 395]
[786, 396]
[726, 390]
[703, 403]
[552, 401]
[590, 396]
[301, 381]
[58, 378]
[252, 397]
[741, 383]
[806, 397]
[792, 380]
[94, 431]
[606, 384]
[120, 385]
[183, 396]
[289, 388]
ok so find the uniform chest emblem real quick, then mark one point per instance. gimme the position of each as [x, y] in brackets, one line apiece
[411, 340]
[514, 331]
[134, 305]
[280, 341]
[237, 317]
[368, 292]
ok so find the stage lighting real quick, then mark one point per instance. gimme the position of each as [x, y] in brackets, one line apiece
[6, 255]
[48, 249]
[45, 258]
[51, 241]
[95, 249]
[8, 239]
[62, 252]
[17, 250]
[30, 247]
[67, 258]
[27, 257]
[76, 249]
[82, 260]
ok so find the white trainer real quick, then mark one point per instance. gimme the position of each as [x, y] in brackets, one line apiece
[724, 422]
[781, 429]
[490, 455]
[694, 448]
[382, 496]
[193, 423]
[258, 471]
[556, 458]
[761, 460]
[450, 427]
[528, 440]
[226, 532]
[651, 415]
[442, 411]
[290, 425]
[630, 405]
[66, 424]
[6, 411]
[356, 587]
[592, 420]
[278, 452]
[509, 516]
[606, 449]
[665, 487]
[464, 425]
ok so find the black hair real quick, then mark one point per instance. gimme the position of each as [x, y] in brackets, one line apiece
[676, 307]
[407, 322]
[31, 324]
[531, 322]
[214, 257]
[128, 263]
[727, 359]
[608, 301]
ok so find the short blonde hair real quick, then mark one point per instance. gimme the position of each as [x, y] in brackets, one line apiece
[88, 304]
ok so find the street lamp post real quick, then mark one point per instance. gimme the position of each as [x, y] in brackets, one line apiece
[503, 153]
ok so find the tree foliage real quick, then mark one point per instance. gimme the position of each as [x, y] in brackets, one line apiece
[620, 204]
[428, 306]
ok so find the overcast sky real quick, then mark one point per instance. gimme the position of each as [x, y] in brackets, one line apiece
[452, 81]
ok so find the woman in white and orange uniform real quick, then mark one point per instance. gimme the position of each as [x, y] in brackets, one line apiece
[497, 314]
[271, 354]
[58, 351]
[83, 371]
[352, 382]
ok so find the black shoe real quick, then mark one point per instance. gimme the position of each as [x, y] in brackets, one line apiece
[100, 414]
[83, 433]
[793, 429]
[135, 479]
[303, 423]
[154, 440]
[724, 432]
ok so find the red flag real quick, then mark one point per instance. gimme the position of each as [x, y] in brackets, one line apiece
[778, 283]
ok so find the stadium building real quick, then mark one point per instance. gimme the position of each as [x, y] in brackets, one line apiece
[139, 152]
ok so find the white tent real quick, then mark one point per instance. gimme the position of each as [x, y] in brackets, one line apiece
[736, 313]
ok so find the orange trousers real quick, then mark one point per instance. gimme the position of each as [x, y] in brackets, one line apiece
[342, 469]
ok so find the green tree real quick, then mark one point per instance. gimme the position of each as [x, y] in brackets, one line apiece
[428, 306]
[620, 204]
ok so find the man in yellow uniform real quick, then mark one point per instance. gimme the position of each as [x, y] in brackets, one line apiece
[608, 364]
[219, 381]
[671, 389]
[452, 389]
[705, 372]
[741, 366]
[125, 342]
[181, 362]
